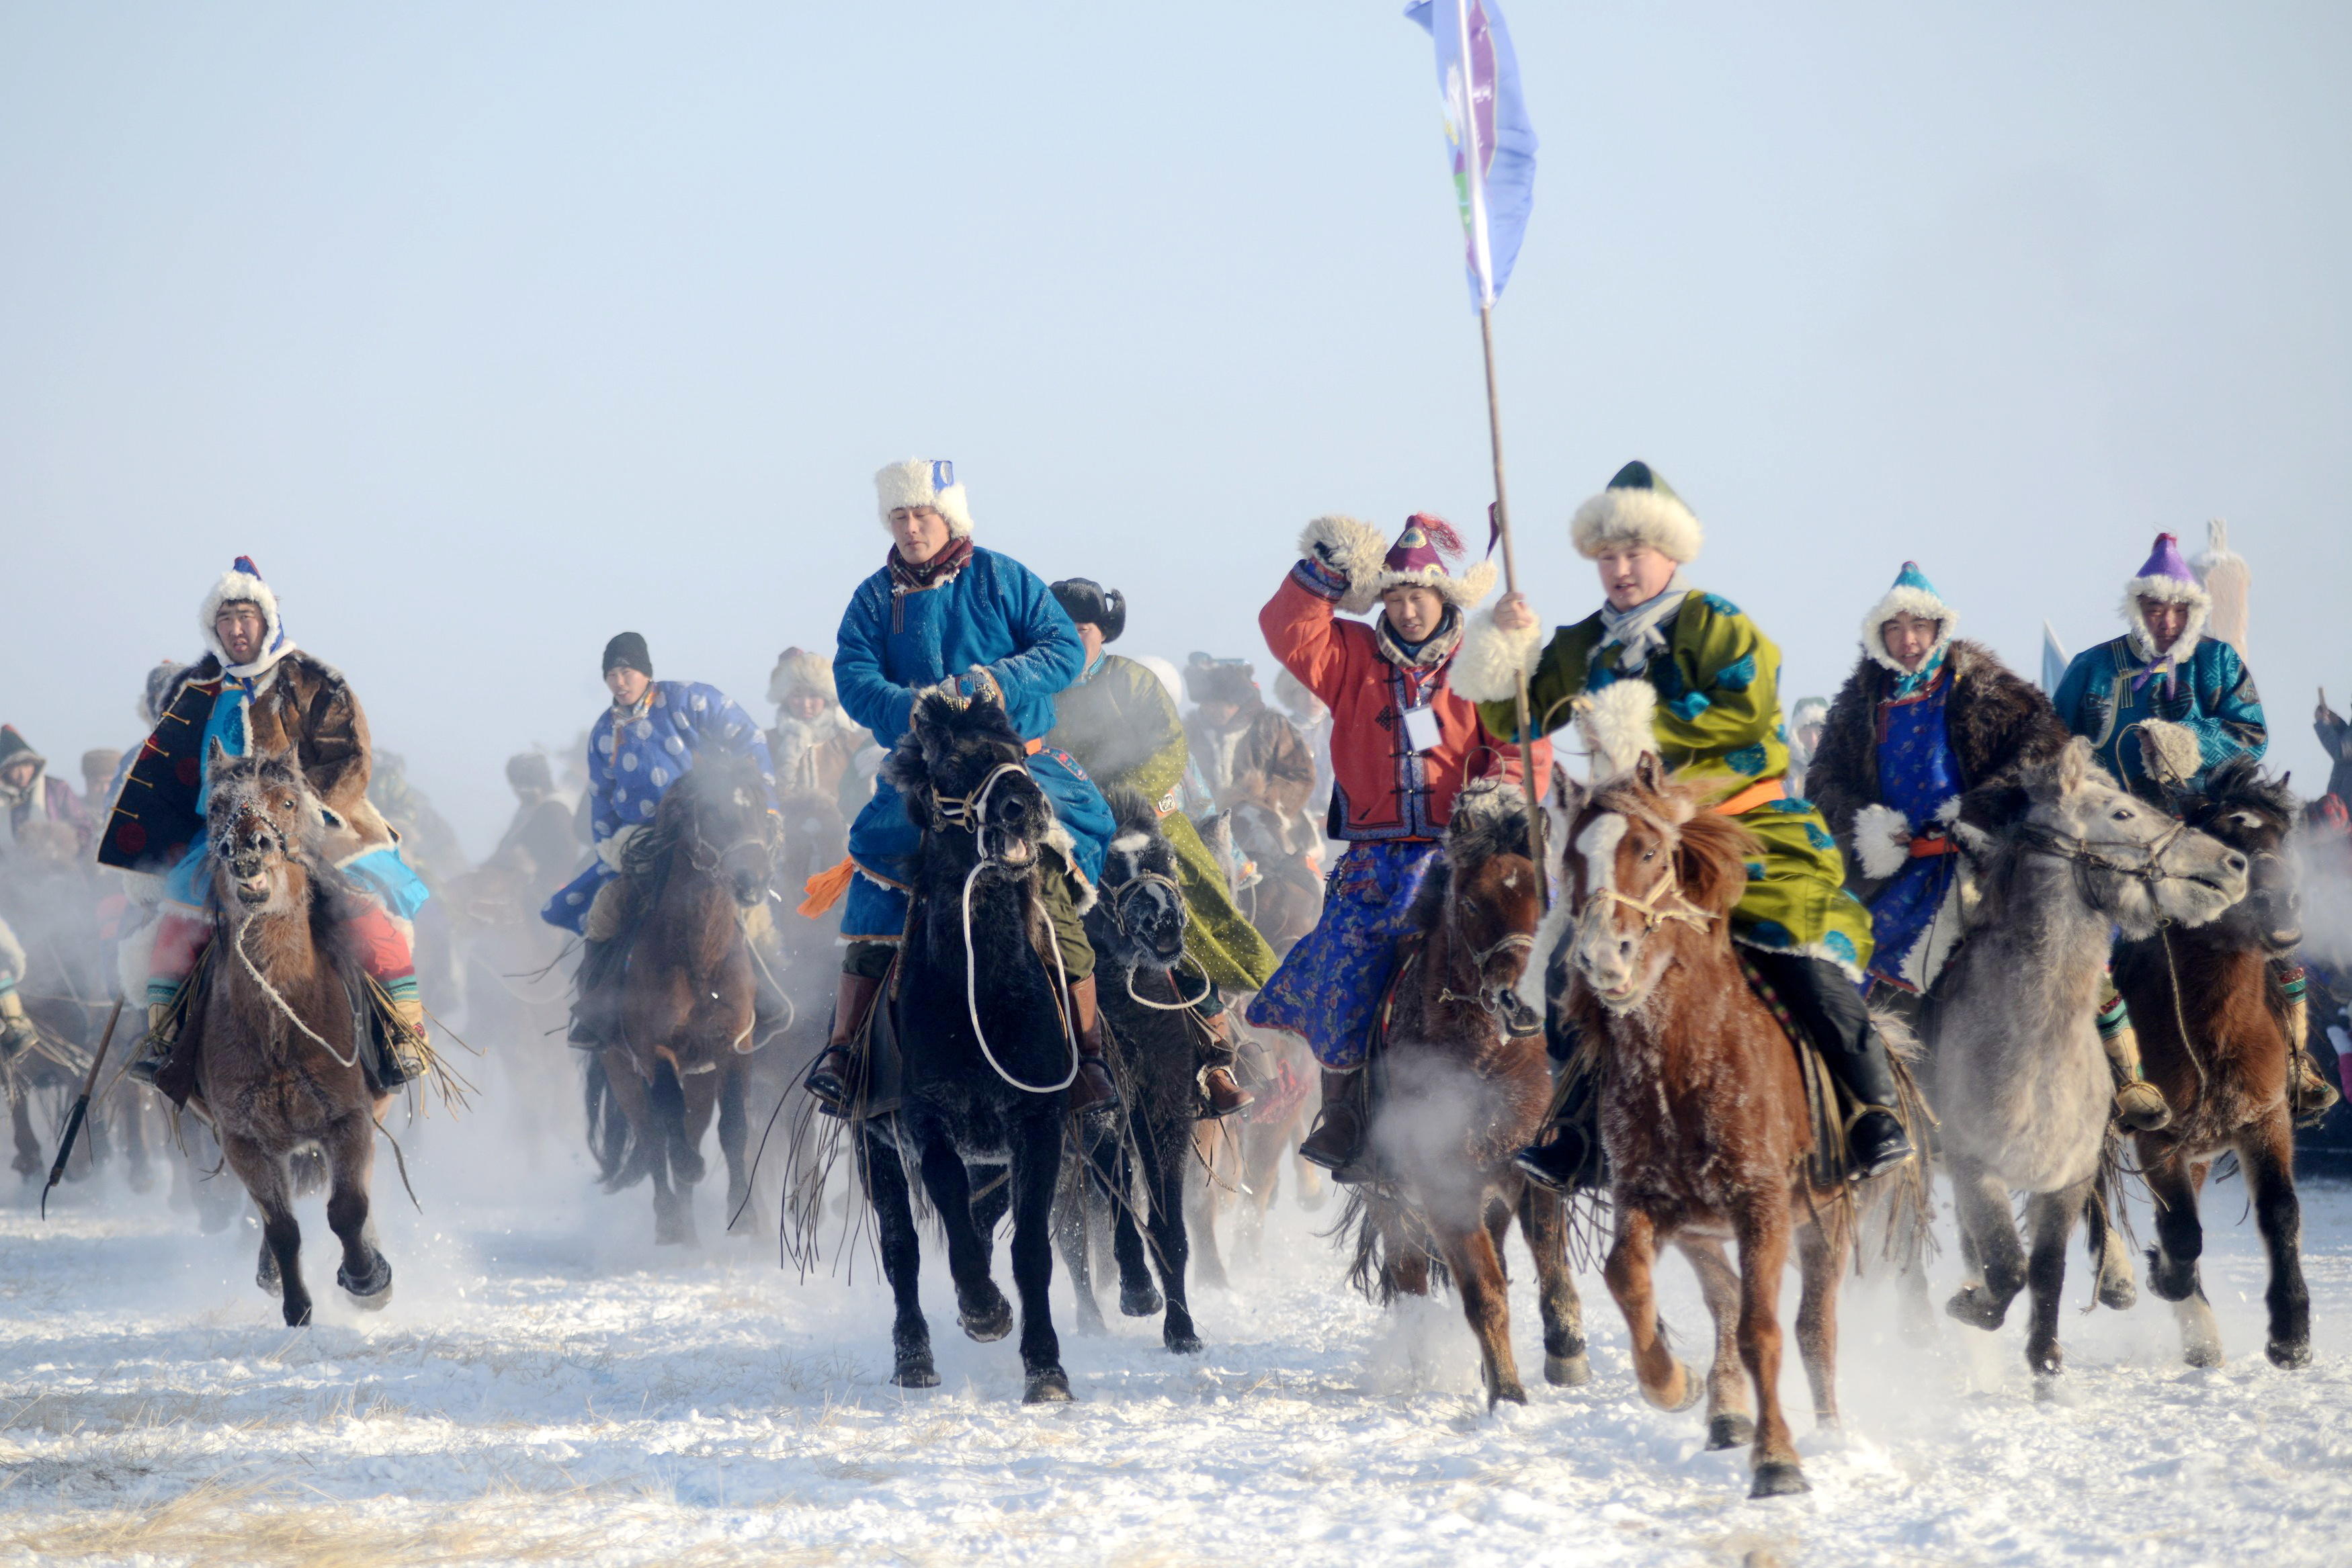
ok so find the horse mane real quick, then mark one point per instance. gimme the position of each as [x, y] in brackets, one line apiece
[941, 721]
[680, 804]
[1132, 810]
[1711, 850]
[2240, 785]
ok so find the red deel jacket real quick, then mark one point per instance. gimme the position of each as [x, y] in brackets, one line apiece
[1381, 789]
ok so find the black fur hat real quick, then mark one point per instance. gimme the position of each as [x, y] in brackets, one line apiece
[1088, 602]
[628, 649]
[1214, 680]
[529, 771]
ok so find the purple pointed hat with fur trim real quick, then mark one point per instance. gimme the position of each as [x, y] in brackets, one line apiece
[2166, 578]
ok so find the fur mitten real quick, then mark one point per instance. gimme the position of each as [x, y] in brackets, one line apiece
[1881, 841]
[1488, 668]
[1350, 547]
[2171, 752]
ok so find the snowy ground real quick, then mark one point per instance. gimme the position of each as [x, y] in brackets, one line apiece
[547, 1386]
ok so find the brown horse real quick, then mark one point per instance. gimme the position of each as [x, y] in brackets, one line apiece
[278, 1034]
[702, 869]
[1702, 1106]
[1462, 1091]
[2213, 1039]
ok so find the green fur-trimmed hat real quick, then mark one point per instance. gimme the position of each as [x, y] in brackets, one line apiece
[1637, 508]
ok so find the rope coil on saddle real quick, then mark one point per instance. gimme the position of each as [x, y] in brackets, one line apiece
[973, 807]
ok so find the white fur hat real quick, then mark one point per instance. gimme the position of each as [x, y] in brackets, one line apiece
[242, 584]
[1638, 508]
[1912, 594]
[798, 670]
[925, 482]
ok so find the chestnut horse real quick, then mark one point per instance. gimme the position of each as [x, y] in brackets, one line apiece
[1461, 1091]
[1702, 1105]
[278, 1043]
[2226, 1076]
[686, 1034]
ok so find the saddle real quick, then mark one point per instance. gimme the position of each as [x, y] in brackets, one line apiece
[372, 1022]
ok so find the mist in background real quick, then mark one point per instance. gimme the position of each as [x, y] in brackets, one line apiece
[489, 330]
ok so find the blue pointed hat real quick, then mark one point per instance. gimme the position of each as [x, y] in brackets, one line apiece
[1912, 594]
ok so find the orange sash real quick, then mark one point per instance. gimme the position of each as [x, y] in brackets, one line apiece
[1755, 795]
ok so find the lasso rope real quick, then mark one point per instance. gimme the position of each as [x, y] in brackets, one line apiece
[972, 998]
[1207, 987]
[271, 992]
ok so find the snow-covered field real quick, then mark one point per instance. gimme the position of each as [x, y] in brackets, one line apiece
[548, 1387]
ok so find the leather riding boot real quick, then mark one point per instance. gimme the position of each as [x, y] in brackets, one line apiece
[2139, 1105]
[1337, 1141]
[155, 1050]
[1092, 1086]
[405, 1045]
[593, 1006]
[1831, 1010]
[829, 1076]
[1222, 1095]
[2309, 1096]
[1566, 1154]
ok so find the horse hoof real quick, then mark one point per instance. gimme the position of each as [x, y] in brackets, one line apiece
[374, 1292]
[915, 1371]
[1730, 1430]
[1975, 1307]
[1693, 1390]
[2045, 1361]
[1052, 1388]
[1141, 1301]
[1568, 1371]
[991, 1323]
[1510, 1392]
[1091, 1324]
[1187, 1342]
[2119, 1294]
[297, 1317]
[1779, 1477]
[2291, 1355]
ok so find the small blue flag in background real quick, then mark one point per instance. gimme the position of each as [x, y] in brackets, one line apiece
[1486, 121]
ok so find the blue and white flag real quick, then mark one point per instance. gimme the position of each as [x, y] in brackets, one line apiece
[1494, 146]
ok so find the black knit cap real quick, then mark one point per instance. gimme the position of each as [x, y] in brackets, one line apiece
[1088, 602]
[628, 649]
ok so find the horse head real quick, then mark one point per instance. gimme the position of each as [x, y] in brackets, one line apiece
[2134, 862]
[1641, 854]
[2255, 814]
[1493, 898]
[264, 825]
[717, 812]
[962, 769]
[1138, 922]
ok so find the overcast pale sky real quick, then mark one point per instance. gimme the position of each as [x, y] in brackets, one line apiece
[490, 330]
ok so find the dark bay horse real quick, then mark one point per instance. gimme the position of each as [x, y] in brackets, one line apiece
[1462, 1091]
[685, 1014]
[2213, 1039]
[1137, 928]
[1703, 1103]
[985, 1048]
[279, 1035]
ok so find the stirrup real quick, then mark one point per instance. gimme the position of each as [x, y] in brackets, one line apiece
[827, 1080]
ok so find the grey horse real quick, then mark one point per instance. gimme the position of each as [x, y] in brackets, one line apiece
[2019, 1079]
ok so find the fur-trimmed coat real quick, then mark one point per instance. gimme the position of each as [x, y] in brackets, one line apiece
[302, 704]
[1998, 722]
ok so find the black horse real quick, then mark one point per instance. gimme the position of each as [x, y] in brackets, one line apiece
[984, 1050]
[1137, 928]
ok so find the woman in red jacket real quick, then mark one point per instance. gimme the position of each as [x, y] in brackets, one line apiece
[1402, 744]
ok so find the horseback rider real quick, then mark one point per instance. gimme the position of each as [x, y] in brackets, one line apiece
[816, 747]
[2164, 705]
[255, 692]
[30, 794]
[1117, 720]
[945, 615]
[1256, 762]
[649, 737]
[1718, 718]
[1404, 742]
[540, 830]
[1923, 719]
[17, 1030]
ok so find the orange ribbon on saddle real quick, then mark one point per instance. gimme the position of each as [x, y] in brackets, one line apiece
[1928, 848]
[1755, 795]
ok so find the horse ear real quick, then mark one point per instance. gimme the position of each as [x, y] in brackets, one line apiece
[215, 751]
[1649, 772]
[2075, 764]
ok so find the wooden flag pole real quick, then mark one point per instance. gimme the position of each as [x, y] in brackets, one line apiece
[1530, 785]
[80, 1107]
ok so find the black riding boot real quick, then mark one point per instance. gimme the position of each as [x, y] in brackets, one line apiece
[1827, 1006]
[597, 997]
[833, 1071]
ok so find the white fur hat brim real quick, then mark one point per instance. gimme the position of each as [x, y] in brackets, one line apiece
[1904, 600]
[1620, 517]
[910, 484]
[237, 587]
[1463, 593]
[2165, 590]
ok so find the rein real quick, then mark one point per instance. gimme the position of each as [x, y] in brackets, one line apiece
[2084, 852]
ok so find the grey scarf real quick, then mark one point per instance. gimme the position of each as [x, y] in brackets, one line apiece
[1642, 630]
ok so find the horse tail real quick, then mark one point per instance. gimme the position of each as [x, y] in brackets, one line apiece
[1365, 1226]
[622, 1160]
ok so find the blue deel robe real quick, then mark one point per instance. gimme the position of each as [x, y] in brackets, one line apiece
[995, 613]
[634, 757]
[2105, 694]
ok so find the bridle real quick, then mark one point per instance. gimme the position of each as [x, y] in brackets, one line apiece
[1665, 901]
[1510, 942]
[2084, 854]
[969, 812]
